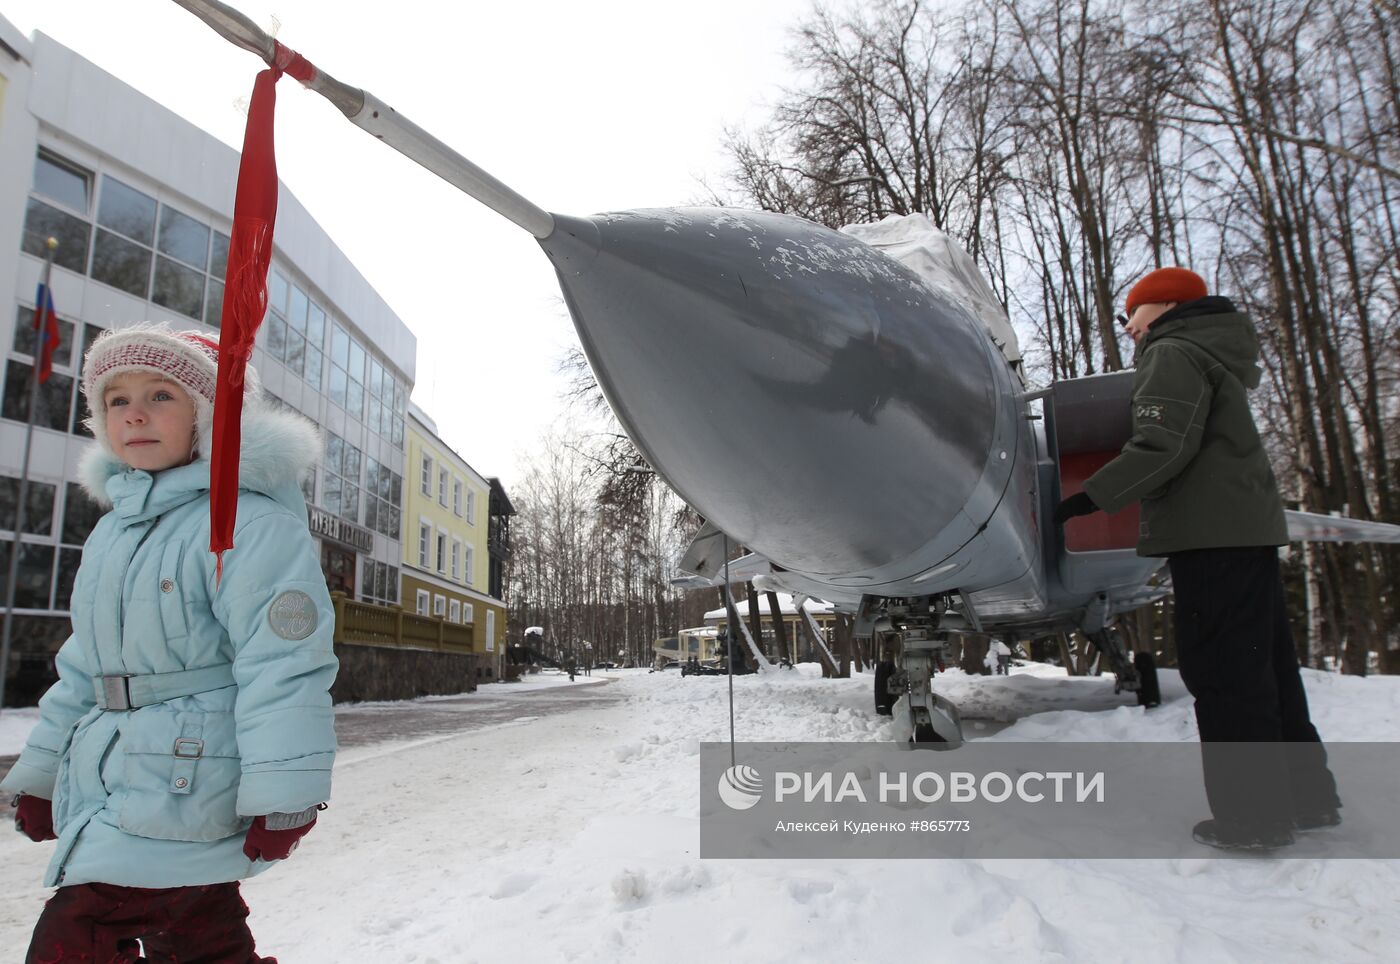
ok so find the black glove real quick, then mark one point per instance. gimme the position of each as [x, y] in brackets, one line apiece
[1077, 504]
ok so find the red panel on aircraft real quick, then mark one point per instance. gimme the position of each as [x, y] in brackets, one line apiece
[1099, 530]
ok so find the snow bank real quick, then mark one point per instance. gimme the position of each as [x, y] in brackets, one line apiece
[15, 725]
[573, 837]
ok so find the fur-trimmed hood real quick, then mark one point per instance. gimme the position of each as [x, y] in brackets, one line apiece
[279, 447]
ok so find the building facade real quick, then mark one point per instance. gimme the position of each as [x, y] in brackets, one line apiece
[448, 562]
[141, 203]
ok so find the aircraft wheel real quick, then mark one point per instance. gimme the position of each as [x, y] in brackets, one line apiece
[1149, 693]
[884, 699]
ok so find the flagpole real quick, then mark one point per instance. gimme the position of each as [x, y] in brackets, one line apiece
[41, 332]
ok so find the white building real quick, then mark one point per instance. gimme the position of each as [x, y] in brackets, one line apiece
[141, 203]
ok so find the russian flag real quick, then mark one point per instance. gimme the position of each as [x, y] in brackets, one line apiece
[46, 320]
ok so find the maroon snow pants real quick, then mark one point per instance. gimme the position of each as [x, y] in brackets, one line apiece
[108, 924]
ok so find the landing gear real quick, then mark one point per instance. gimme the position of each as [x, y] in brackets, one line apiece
[884, 699]
[925, 733]
[1135, 673]
[933, 721]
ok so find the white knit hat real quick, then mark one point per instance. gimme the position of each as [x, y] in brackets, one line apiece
[188, 358]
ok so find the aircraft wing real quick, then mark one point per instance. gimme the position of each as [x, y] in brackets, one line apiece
[1315, 527]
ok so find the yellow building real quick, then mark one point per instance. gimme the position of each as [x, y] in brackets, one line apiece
[448, 568]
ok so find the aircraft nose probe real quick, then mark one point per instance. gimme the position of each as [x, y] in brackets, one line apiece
[377, 118]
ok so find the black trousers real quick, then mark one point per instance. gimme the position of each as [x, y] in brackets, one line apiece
[1263, 760]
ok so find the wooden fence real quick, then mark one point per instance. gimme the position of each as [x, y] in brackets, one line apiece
[370, 624]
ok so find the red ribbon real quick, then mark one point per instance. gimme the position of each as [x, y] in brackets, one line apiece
[245, 292]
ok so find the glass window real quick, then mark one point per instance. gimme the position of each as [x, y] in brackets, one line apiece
[350, 467]
[296, 309]
[35, 573]
[179, 288]
[376, 378]
[340, 346]
[422, 602]
[214, 304]
[121, 264]
[372, 416]
[277, 288]
[424, 535]
[90, 333]
[296, 352]
[68, 560]
[127, 210]
[218, 258]
[372, 513]
[43, 221]
[471, 507]
[442, 551]
[315, 325]
[395, 524]
[355, 399]
[443, 478]
[184, 238]
[80, 514]
[398, 431]
[330, 493]
[337, 388]
[312, 372]
[63, 182]
[25, 336]
[334, 447]
[276, 337]
[38, 509]
[356, 368]
[55, 396]
[467, 576]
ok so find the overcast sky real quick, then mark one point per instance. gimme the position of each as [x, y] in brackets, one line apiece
[580, 106]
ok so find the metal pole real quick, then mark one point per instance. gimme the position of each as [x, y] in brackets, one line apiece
[39, 312]
[377, 118]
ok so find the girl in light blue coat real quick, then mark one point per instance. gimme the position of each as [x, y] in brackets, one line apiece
[189, 739]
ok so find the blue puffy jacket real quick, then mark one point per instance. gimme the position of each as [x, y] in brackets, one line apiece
[161, 795]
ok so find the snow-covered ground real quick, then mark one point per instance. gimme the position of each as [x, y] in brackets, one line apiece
[574, 837]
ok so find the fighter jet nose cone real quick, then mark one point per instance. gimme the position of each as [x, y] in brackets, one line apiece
[573, 246]
[794, 385]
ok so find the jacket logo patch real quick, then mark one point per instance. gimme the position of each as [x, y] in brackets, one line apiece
[292, 615]
[1151, 413]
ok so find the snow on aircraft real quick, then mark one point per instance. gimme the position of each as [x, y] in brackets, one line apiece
[872, 440]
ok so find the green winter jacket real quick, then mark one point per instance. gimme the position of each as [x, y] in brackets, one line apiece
[1195, 460]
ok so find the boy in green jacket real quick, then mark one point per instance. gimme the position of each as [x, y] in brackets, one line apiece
[1211, 506]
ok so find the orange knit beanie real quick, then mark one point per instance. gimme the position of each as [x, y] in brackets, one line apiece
[1166, 284]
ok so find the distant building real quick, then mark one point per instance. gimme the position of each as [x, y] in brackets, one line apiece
[141, 203]
[457, 540]
[821, 613]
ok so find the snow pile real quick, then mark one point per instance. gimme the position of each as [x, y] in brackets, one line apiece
[574, 836]
[15, 725]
